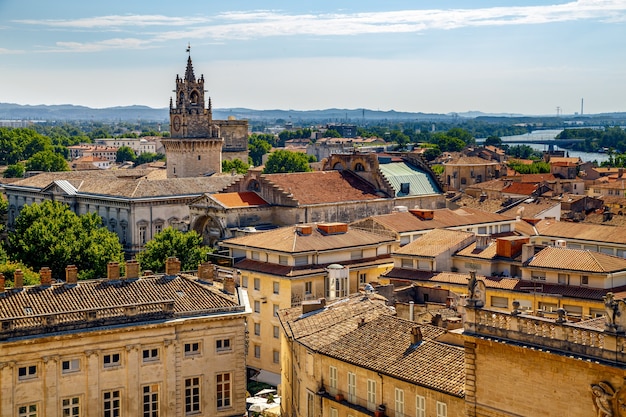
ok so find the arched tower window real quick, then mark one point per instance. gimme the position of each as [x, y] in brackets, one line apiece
[181, 98]
[194, 98]
[359, 167]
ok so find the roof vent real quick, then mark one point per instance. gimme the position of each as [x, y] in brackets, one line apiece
[313, 305]
[304, 230]
[332, 228]
[423, 214]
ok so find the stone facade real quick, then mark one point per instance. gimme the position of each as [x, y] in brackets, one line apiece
[198, 143]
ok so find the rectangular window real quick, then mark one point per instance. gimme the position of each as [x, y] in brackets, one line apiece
[158, 229]
[111, 403]
[142, 234]
[257, 306]
[151, 400]
[223, 390]
[276, 356]
[27, 372]
[276, 287]
[244, 281]
[356, 254]
[499, 302]
[112, 360]
[257, 351]
[222, 345]
[371, 394]
[150, 355]
[482, 230]
[29, 410]
[276, 332]
[255, 255]
[538, 276]
[276, 308]
[407, 263]
[584, 280]
[332, 379]
[310, 404]
[69, 366]
[257, 284]
[563, 279]
[420, 406]
[257, 329]
[399, 400]
[70, 407]
[192, 349]
[192, 395]
[283, 260]
[333, 412]
[442, 409]
[308, 287]
[351, 387]
[300, 260]
[362, 278]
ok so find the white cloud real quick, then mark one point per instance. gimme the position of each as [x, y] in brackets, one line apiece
[118, 43]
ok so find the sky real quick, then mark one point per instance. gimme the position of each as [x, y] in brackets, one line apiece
[514, 57]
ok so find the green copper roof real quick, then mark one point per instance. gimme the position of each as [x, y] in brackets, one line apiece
[402, 175]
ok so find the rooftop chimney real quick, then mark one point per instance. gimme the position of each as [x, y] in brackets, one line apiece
[423, 214]
[416, 335]
[18, 279]
[304, 230]
[528, 251]
[172, 266]
[482, 241]
[45, 275]
[229, 285]
[132, 269]
[313, 305]
[206, 271]
[2, 289]
[113, 271]
[71, 274]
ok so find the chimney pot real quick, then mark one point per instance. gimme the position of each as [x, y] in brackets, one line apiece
[172, 266]
[132, 269]
[18, 279]
[45, 275]
[416, 335]
[206, 271]
[71, 274]
[229, 285]
[113, 270]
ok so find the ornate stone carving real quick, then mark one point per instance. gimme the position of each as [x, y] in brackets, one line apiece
[476, 291]
[604, 399]
[615, 313]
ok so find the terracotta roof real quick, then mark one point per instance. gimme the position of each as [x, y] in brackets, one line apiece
[384, 345]
[487, 253]
[131, 183]
[109, 299]
[577, 260]
[582, 231]
[323, 186]
[442, 218]
[532, 209]
[436, 242]
[290, 240]
[492, 185]
[470, 160]
[521, 188]
[242, 199]
[537, 177]
[564, 160]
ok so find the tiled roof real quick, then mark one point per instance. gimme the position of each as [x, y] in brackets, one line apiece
[443, 218]
[487, 253]
[242, 199]
[289, 240]
[470, 160]
[537, 177]
[492, 185]
[131, 183]
[384, 345]
[521, 188]
[184, 295]
[435, 242]
[322, 186]
[322, 327]
[582, 231]
[532, 209]
[419, 182]
[577, 260]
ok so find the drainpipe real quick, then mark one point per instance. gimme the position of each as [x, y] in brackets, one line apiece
[411, 310]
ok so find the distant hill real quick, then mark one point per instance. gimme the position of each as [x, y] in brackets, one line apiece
[69, 112]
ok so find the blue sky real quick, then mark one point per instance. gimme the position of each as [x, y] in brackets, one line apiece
[440, 56]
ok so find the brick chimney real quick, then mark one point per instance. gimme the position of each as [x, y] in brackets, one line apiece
[172, 266]
[416, 335]
[206, 271]
[313, 305]
[45, 274]
[18, 279]
[132, 269]
[71, 275]
[229, 285]
[2, 289]
[113, 271]
[528, 251]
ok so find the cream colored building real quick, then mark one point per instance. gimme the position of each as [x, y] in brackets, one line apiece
[163, 346]
[354, 357]
[283, 267]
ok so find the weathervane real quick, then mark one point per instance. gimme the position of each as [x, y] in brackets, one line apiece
[188, 48]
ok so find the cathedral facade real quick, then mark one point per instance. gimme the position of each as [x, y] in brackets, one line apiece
[198, 144]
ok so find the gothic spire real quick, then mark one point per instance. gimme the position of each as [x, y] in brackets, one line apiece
[189, 76]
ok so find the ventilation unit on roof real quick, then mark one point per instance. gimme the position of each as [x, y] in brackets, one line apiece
[560, 243]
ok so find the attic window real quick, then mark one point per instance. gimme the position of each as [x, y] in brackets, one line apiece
[28, 311]
[180, 293]
[404, 187]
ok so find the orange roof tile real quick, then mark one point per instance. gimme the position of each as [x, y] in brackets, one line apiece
[242, 199]
[436, 242]
[577, 260]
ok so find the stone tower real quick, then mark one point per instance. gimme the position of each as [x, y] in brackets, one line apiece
[198, 143]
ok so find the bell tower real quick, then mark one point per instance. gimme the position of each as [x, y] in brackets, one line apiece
[195, 146]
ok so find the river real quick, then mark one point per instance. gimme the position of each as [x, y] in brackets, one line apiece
[551, 134]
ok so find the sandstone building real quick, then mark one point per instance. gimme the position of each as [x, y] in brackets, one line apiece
[122, 346]
[198, 143]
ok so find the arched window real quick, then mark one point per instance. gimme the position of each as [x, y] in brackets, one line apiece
[359, 167]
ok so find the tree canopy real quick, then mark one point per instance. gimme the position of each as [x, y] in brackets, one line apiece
[259, 145]
[286, 161]
[171, 242]
[50, 234]
[125, 153]
[237, 165]
[47, 161]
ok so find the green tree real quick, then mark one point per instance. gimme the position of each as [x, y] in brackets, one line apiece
[332, 133]
[493, 141]
[431, 154]
[398, 137]
[14, 171]
[257, 147]
[125, 153]
[147, 157]
[50, 234]
[171, 242]
[286, 161]
[237, 165]
[47, 161]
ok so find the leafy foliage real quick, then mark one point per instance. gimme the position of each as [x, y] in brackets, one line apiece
[8, 270]
[286, 135]
[14, 171]
[258, 145]
[125, 153]
[286, 161]
[237, 165]
[49, 234]
[147, 157]
[534, 168]
[523, 152]
[171, 242]
[47, 161]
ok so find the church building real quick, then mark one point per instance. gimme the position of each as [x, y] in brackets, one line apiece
[198, 144]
